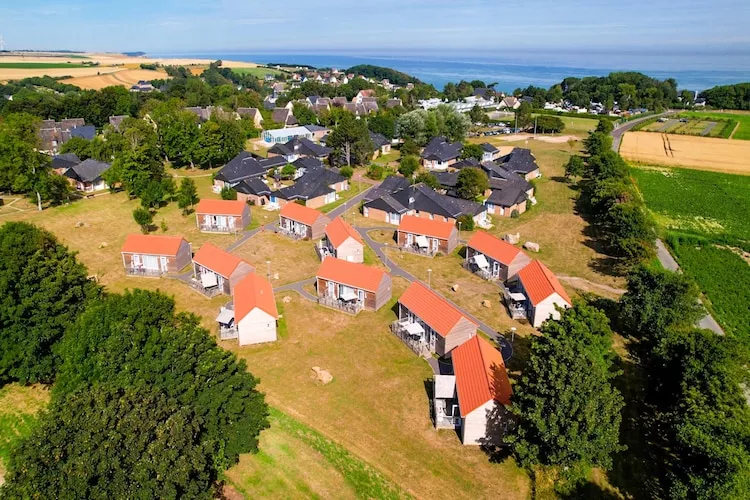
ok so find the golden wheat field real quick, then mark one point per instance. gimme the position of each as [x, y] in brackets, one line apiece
[124, 77]
[702, 153]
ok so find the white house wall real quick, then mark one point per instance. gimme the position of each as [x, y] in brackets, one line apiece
[474, 428]
[257, 327]
[546, 309]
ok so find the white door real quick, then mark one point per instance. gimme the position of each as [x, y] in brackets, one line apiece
[361, 296]
[329, 288]
[435, 244]
[136, 262]
[221, 221]
[230, 221]
[409, 239]
[164, 263]
[495, 269]
[151, 262]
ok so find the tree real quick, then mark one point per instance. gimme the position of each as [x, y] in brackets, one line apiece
[347, 172]
[304, 115]
[136, 340]
[375, 172]
[288, 171]
[105, 442]
[465, 222]
[43, 289]
[187, 196]
[350, 140]
[523, 115]
[428, 179]
[408, 165]
[575, 167]
[153, 195]
[409, 148]
[471, 183]
[471, 150]
[568, 411]
[597, 143]
[227, 193]
[549, 124]
[78, 146]
[477, 115]
[143, 217]
[218, 142]
[605, 126]
[383, 123]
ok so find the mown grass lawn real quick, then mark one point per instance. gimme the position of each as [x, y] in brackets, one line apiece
[291, 260]
[343, 197]
[707, 203]
[257, 72]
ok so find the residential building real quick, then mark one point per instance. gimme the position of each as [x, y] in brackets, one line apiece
[243, 166]
[425, 236]
[351, 286]
[252, 316]
[299, 147]
[253, 191]
[143, 86]
[489, 152]
[253, 114]
[317, 131]
[422, 201]
[315, 189]
[116, 121]
[283, 116]
[522, 162]
[87, 175]
[439, 154]
[301, 222]
[393, 103]
[381, 144]
[62, 162]
[510, 102]
[390, 185]
[222, 216]
[341, 241]
[52, 135]
[493, 258]
[152, 255]
[216, 271]
[536, 294]
[474, 400]
[429, 324]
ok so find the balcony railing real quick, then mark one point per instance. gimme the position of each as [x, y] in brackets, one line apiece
[445, 422]
[208, 292]
[416, 250]
[323, 251]
[140, 271]
[335, 303]
[418, 345]
[482, 273]
[211, 228]
[292, 234]
[516, 309]
[228, 332]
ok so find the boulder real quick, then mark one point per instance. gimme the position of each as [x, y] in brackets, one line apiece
[275, 276]
[103, 244]
[531, 246]
[513, 238]
[80, 223]
[487, 304]
[287, 299]
[455, 287]
[323, 376]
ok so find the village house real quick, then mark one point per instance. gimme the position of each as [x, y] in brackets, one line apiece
[152, 255]
[222, 216]
[474, 400]
[52, 135]
[351, 286]
[393, 103]
[390, 185]
[425, 236]
[317, 132]
[301, 222]
[243, 166]
[316, 188]
[284, 117]
[253, 191]
[439, 154]
[62, 162]
[299, 147]
[252, 315]
[535, 295]
[253, 114]
[87, 176]
[205, 114]
[509, 192]
[117, 120]
[522, 162]
[489, 152]
[341, 241]
[217, 271]
[381, 144]
[422, 201]
[510, 102]
[493, 258]
[429, 324]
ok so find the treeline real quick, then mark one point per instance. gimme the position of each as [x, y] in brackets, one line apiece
[143, 400]
[728, 96]
[630, 89]
[380, 73]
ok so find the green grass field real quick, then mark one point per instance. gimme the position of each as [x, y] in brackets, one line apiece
[18, 408]
[742, 132]
[257, 72]
[695, 201]
[724, 278]
[30, 65]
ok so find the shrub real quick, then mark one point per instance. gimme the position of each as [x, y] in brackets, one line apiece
[467, 222]
[347, 172]
[228, 193]
[375, 172]
[514, 214]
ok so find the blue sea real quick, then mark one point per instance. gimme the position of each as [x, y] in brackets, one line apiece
[692, 71]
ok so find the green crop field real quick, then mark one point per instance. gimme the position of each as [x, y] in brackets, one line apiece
[257, 72]
[724, 278]
[742, 132]
[30, 65]
[695, 201]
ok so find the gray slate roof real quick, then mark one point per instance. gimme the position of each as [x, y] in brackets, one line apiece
[65, 161]
[424, 199]
[253, 186]
[88, 171]
[520, 161]
[441, 150]
[391, 184]
[242, 166]
[87, 132]
[300, 146]
[314, 183]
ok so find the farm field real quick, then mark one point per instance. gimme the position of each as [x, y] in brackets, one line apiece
[724, 278]
[706, 203]
[125, 77]
[258, 72]
[702, 153]
[743, 119]
[40, 65]
[693, 126]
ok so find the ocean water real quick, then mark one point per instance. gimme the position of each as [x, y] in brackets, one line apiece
[540, 69]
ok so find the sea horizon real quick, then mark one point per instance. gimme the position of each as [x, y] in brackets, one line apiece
[542, 69]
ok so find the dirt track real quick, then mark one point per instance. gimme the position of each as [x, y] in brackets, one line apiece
[702, 153]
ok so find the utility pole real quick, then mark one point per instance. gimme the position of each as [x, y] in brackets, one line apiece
[2, 42]
[429, 278]
[535, 118]
[268, 267]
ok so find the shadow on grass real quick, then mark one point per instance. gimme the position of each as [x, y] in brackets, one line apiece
[590, 491]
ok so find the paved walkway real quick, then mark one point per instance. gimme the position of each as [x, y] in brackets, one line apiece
[299, 288]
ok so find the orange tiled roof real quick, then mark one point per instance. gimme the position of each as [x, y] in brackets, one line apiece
[495, 248]
[431, 308]
[299, 213]
[480, 375]
[152, 245]
[351, 274]
[218, 260]
[426, 227]
[539, 282]
[338, 230]
[221, 207]
[252, 292]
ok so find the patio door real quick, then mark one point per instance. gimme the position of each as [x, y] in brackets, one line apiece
[136, 261]
[495, 269]
[329, 288]
[361, 296]
[164, 264]
[435, 244]
[409, 239]
[151, 262]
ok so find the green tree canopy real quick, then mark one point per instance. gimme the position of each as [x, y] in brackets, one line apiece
[408, 165]
[43, 289]
[575, 167]
[568, 410]
[78, 146]
[428, 179]
[136, 340]
[472, 150]
[351, 141]
[471, 183]
[187, 196]
[104, 442]
[143, 217]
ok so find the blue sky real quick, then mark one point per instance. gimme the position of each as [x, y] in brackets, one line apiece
[717, 26]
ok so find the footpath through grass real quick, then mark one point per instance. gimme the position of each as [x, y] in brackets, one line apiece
[695, 201]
